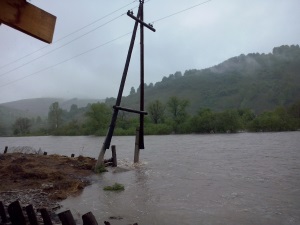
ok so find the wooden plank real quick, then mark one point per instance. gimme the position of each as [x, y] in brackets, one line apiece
[28, 18]
[46, 217]
[16, 214]
[89, 219]
[31, 215]
[3, 213]
[66, 218]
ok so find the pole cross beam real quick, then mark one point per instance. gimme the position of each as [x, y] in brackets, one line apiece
[140, 20]
[130, 110]
[149, 26]
[106, 145]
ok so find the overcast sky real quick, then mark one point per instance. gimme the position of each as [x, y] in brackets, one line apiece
[195, 39]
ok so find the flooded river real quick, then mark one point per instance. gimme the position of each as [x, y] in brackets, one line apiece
[244, 178]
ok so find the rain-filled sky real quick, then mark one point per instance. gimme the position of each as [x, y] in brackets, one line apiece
[91, 40]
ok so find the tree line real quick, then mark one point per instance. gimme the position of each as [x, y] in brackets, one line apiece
[256, 81]
[163, 118]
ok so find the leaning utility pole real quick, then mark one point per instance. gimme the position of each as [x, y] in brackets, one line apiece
[139, 20]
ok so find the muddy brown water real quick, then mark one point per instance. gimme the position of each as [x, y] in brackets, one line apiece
[244, 178]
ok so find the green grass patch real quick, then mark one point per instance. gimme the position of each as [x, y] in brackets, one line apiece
[115, 187]
[100, 169]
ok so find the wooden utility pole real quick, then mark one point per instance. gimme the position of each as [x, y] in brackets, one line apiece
[142, 97]
[28, 19]
[138, 20]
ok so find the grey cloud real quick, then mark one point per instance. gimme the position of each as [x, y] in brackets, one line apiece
[199, 38]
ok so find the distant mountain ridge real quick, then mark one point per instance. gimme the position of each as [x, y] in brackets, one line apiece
[256, 81]
[40, 106]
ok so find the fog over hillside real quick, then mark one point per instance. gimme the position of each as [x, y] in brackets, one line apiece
[256, 81]
[40, 106]
[88, 53]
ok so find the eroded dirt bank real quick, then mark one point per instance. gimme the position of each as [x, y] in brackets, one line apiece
[42, 180]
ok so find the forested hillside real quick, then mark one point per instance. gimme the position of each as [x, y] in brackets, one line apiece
[254, 92]
[256, 81]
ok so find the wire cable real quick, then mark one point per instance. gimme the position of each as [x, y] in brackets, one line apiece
[194, 6]
[62, 38]
[24, 64]
[66, 60]
[49, 67]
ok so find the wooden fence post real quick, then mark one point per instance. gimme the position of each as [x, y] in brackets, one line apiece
[137, 146]
[3, 213]
[16, 214]
[66, 218]
[114, 156]
[46, 218]
[31, 215]
[89, 219]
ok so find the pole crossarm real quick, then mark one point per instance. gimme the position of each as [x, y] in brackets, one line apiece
[149, 26]
[130, 110]
[112, 125]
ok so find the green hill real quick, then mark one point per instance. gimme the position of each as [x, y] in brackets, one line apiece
[256, 81]
[259, 82]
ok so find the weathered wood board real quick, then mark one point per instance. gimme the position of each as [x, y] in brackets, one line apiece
[28, 18]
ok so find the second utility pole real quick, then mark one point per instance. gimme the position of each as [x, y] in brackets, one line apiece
[139, 19]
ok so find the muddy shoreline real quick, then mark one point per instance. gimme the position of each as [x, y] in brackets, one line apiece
[42, 180]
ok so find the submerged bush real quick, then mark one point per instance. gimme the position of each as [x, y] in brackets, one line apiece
[115, 187]
[100, 169]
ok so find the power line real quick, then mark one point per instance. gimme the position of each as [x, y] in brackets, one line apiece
[95, 21]
[49, 67]
[194, 6]
[62, 38]
[24, 64]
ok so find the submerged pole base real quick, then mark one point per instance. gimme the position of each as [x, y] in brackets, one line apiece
[100, 161]
[137, 146]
